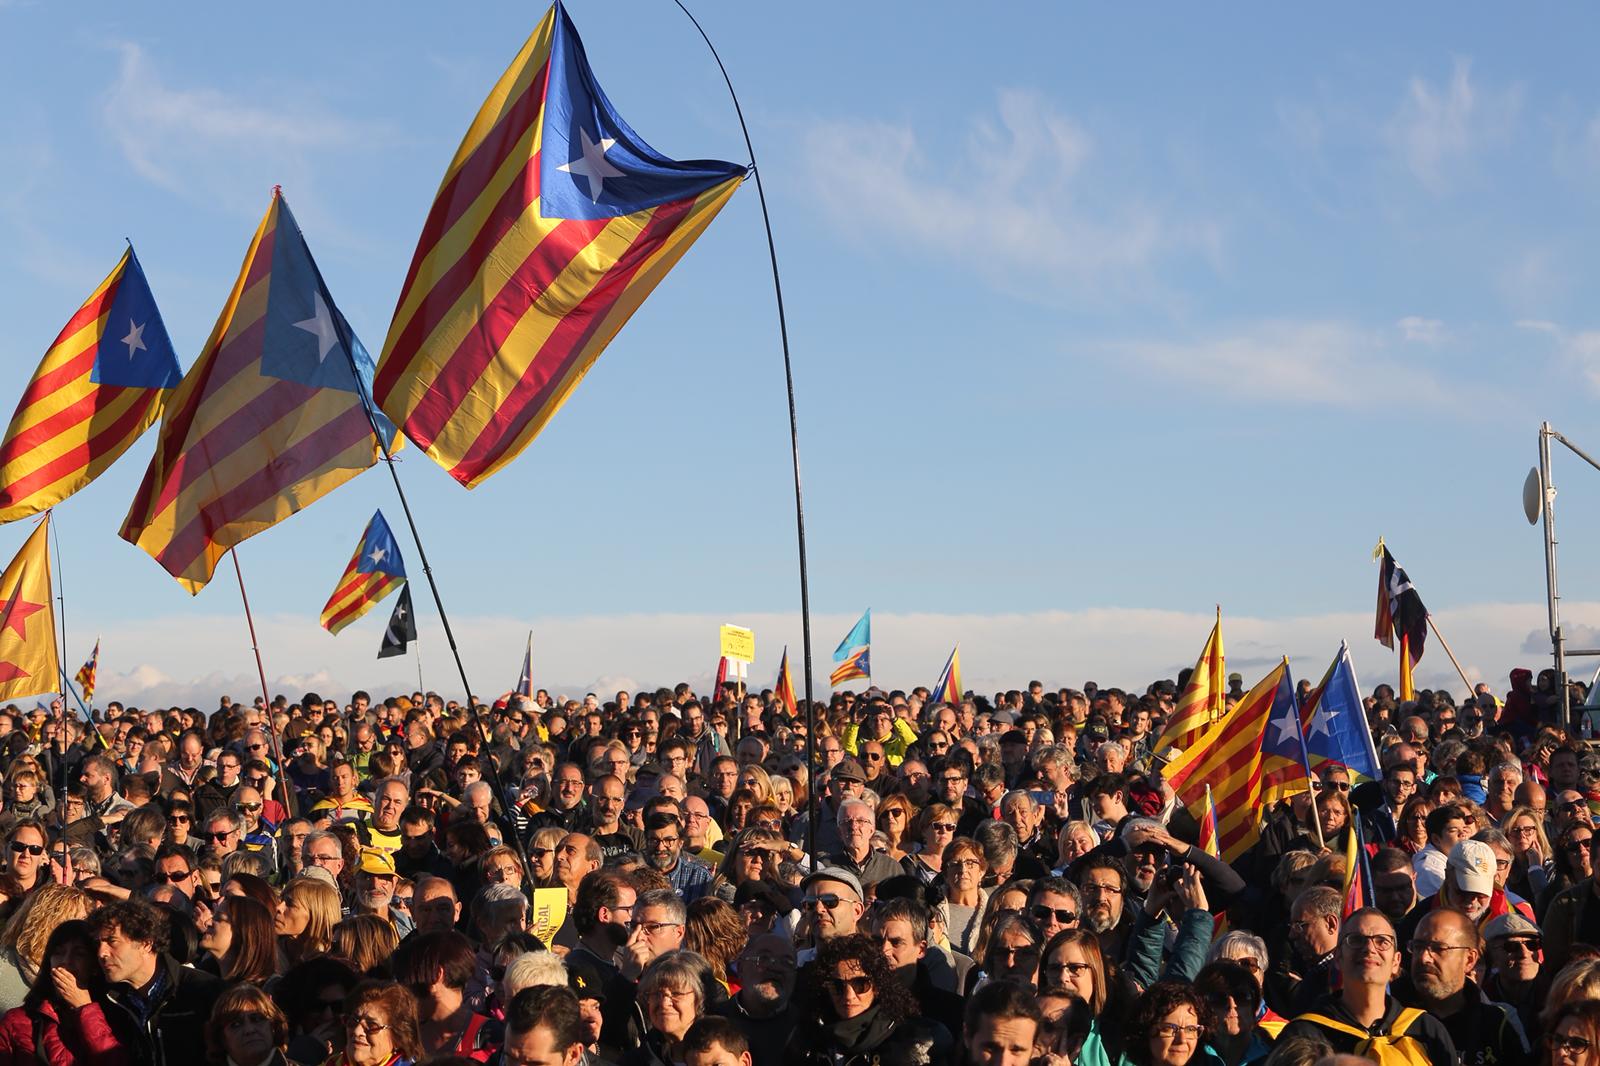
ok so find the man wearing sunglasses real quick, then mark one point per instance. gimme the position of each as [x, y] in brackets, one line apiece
[832, 906]
[1516, 976]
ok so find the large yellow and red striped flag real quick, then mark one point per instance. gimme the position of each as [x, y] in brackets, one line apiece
[1254, 754]
[95, 391]
[375, 570]
[1203, 699]
[28, 663]
[553, 223]
[268, 420]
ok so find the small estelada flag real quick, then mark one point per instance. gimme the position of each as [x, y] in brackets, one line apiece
[86, 673]
[374, 571]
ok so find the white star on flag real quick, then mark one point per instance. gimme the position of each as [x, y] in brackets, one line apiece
[1319, 723]
[135, 339]
[377, 555]
[593, 165]
[321, 326]
[1285, 730]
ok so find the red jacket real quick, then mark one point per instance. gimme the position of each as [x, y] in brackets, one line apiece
[29, 1035]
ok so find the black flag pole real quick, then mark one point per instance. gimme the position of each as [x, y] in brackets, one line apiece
[794, 450]
[289, 800]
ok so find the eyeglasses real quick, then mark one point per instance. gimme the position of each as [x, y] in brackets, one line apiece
[1434, 947]
[1091, 890]
[1557, 1042]
[858, 986]
[958, 864]
[1041, 913]
[19, 848]
[367, 1024]
[874, 756]
[1577, 844]
[1384, 942]
[666, 995]
[662, 842]
[1073, 968]
[652, 928]
[1172, 1030]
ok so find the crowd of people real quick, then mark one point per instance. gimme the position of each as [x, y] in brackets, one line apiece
[664, 878]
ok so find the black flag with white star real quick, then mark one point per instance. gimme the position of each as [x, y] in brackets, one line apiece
[402, 626]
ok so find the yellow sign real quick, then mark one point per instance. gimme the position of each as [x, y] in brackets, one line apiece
[738, 644]
[549, 912]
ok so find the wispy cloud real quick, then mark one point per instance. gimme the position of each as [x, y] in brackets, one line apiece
[209, 145]
[1438, 127]
[1579, 349]
[1321, 364]
[1419, 330]
[1018, 200]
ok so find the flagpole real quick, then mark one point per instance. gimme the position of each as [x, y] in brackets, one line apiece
[1446, 646]
[794, 431]
[61, 599]
[289, 799]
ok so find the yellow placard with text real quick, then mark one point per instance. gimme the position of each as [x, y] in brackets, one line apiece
[549, 913]
[739, 644]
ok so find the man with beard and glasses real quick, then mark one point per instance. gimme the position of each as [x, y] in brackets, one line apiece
[374, 892]
[1103, 882]
[658, 923]
[1362, 1009]
[764, 1008]
[1444, 952]
[605, 807]
[900, 926]
[663, 850]
[855, 824]
[566, 810]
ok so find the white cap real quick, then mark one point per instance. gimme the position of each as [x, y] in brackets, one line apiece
[1472, 863]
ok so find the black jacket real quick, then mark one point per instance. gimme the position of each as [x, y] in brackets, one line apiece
[1426, 1030]
[172, 1033]
[1484, 1033]
[913, 1042]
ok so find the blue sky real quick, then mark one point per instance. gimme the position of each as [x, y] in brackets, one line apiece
[1098, 317]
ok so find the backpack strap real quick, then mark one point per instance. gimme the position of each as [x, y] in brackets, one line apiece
[1337, 1026]
[1404, 1020]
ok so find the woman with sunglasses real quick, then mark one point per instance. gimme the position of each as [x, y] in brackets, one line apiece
[247, 1029]
[754, 855]
[1531, 861]
[1573, 864]
[1411, 828]
[61, 1022]
[1012, 952]
[894, 819]
[380, 1027]
[858, 1012]
[935, 829]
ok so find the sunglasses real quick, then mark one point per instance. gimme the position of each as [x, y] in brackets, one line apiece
[1042, 913]
[219, 837]
[180, 819]
[860, 986]
[174, 876]
[944, 827]
[250, 807]
[830, 900]
[1557, 1042]
[19, 848]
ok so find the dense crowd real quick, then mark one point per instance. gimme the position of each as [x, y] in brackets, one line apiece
[665, 878]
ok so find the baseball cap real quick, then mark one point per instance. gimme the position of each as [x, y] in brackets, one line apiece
[1472, 863]
[834, 873]
[585, 978]
[764, 894]
[376, 861]
[1510, 924]
[849, 770]
[1004, 718]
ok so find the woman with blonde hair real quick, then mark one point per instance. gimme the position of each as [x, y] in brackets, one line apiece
[782, 795]
[23, 942]
[894, 818]
[307, 914]
[365, 942]
[1530, 852]
[757, 781]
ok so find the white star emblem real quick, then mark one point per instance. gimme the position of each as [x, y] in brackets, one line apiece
[400, 611]
[1285, 731]
[593, 165]
[1319, 722]
[321, 326]
[135, 339]
[377, 555]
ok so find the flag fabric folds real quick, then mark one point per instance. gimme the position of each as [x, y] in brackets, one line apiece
[1258, 741]
[28, 662]
[402, 628]
[553, 223]
[100, 386]
[1203, 699]
[375, 570]
[1336, 723]
[1208, 827]
[854, 653]
[86, 673]
[269, 419]
[525, 678]
[783, 687]
[1355, 875]
[1401, 616]
[949, 689]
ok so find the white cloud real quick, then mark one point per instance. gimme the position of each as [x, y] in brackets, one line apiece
[1015, 201]
[190, 660]
[1420, 330]
[1325, 364]
[1579, 350]
[1437, 128]
[205, 144]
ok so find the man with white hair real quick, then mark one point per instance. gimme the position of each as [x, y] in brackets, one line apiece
[855, 853]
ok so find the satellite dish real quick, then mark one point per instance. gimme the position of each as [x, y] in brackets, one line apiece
[1532, 497]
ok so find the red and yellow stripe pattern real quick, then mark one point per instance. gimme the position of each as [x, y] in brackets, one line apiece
[505, 310]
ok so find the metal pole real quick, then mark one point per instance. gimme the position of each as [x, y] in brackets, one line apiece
[1552, 587]
[289, 799]
[794, 431]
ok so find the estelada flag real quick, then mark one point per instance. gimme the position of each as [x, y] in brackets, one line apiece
[86, 673]
[948, 689]
[553, 223]
[96, 390]
[783, 688]
[269, 419]
[525, 678]
[1203, 699]
[28, 663]
[402, 627]
[375, 570]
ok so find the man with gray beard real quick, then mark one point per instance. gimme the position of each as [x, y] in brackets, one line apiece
[764, 1008]
[1444, 952]
[374, 891]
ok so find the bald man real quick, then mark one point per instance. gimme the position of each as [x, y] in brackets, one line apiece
[1444, 951]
